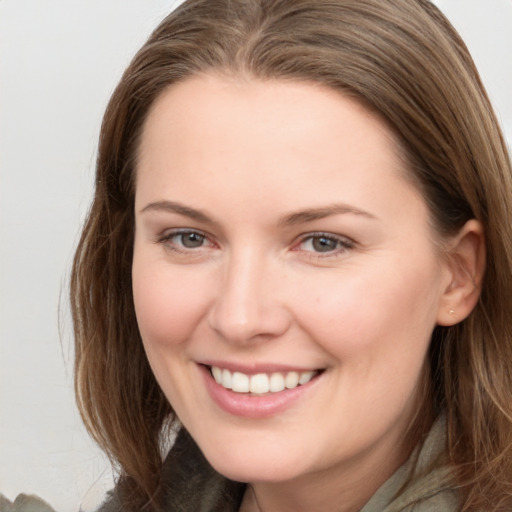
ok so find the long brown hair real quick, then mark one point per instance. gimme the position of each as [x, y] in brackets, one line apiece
[402, 59]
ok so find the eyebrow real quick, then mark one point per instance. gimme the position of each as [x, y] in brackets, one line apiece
[173, 207]
[300, 217]
[313, 214]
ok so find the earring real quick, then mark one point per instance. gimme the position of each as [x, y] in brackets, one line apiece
[451, 311]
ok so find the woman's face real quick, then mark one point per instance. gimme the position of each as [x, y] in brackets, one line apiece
[280, 252]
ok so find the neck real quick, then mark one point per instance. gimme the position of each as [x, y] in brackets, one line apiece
[345, 488]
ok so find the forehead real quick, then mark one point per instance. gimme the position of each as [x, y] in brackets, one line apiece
[241, 138]
[212, 100]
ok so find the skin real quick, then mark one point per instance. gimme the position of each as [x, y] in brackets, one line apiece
[256, 290]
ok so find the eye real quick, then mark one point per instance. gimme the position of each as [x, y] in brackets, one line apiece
[324, 243]
[185, 240]
[190, 240]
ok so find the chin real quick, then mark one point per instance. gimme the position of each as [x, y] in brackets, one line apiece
[243, 473]
[241, 466]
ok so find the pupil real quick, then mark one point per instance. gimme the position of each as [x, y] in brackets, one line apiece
[323, 244]
[191, 240]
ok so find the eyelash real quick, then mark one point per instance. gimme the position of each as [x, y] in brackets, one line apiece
[341, 244]
[166, 240]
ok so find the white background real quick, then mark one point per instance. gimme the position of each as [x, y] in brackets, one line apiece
[59, 62]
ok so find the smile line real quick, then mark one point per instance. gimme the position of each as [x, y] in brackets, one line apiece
[261, 383]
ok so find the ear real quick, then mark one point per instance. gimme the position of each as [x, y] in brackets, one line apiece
[465, 262]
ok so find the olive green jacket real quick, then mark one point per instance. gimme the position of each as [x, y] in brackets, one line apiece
[422, 484]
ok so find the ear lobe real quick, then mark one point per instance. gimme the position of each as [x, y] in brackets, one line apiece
[466, 266]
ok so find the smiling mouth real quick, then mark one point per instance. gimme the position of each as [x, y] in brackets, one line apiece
[261, 383]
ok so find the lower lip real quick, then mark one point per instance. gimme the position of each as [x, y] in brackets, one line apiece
[252, 406]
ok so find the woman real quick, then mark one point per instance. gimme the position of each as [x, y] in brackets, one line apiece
[298, 260]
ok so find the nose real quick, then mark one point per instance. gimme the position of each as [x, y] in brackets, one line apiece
[249, 306]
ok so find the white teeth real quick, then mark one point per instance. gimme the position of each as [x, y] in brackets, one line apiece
[240, 382]
[227, 379]
[217, 374]
[291, 380]
[305, 377]
[260, 383]
[276, 382]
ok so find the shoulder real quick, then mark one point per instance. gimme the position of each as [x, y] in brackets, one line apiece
[424, 483]
[188, 483]
[444, 501]
[435, 493]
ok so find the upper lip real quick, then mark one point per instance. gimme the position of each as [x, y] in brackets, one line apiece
[255, 368]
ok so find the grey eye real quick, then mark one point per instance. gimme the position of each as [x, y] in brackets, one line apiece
[324, 244]
[191, 240]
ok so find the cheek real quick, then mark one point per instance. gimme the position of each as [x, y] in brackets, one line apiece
[168, 305]
[378, 312]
